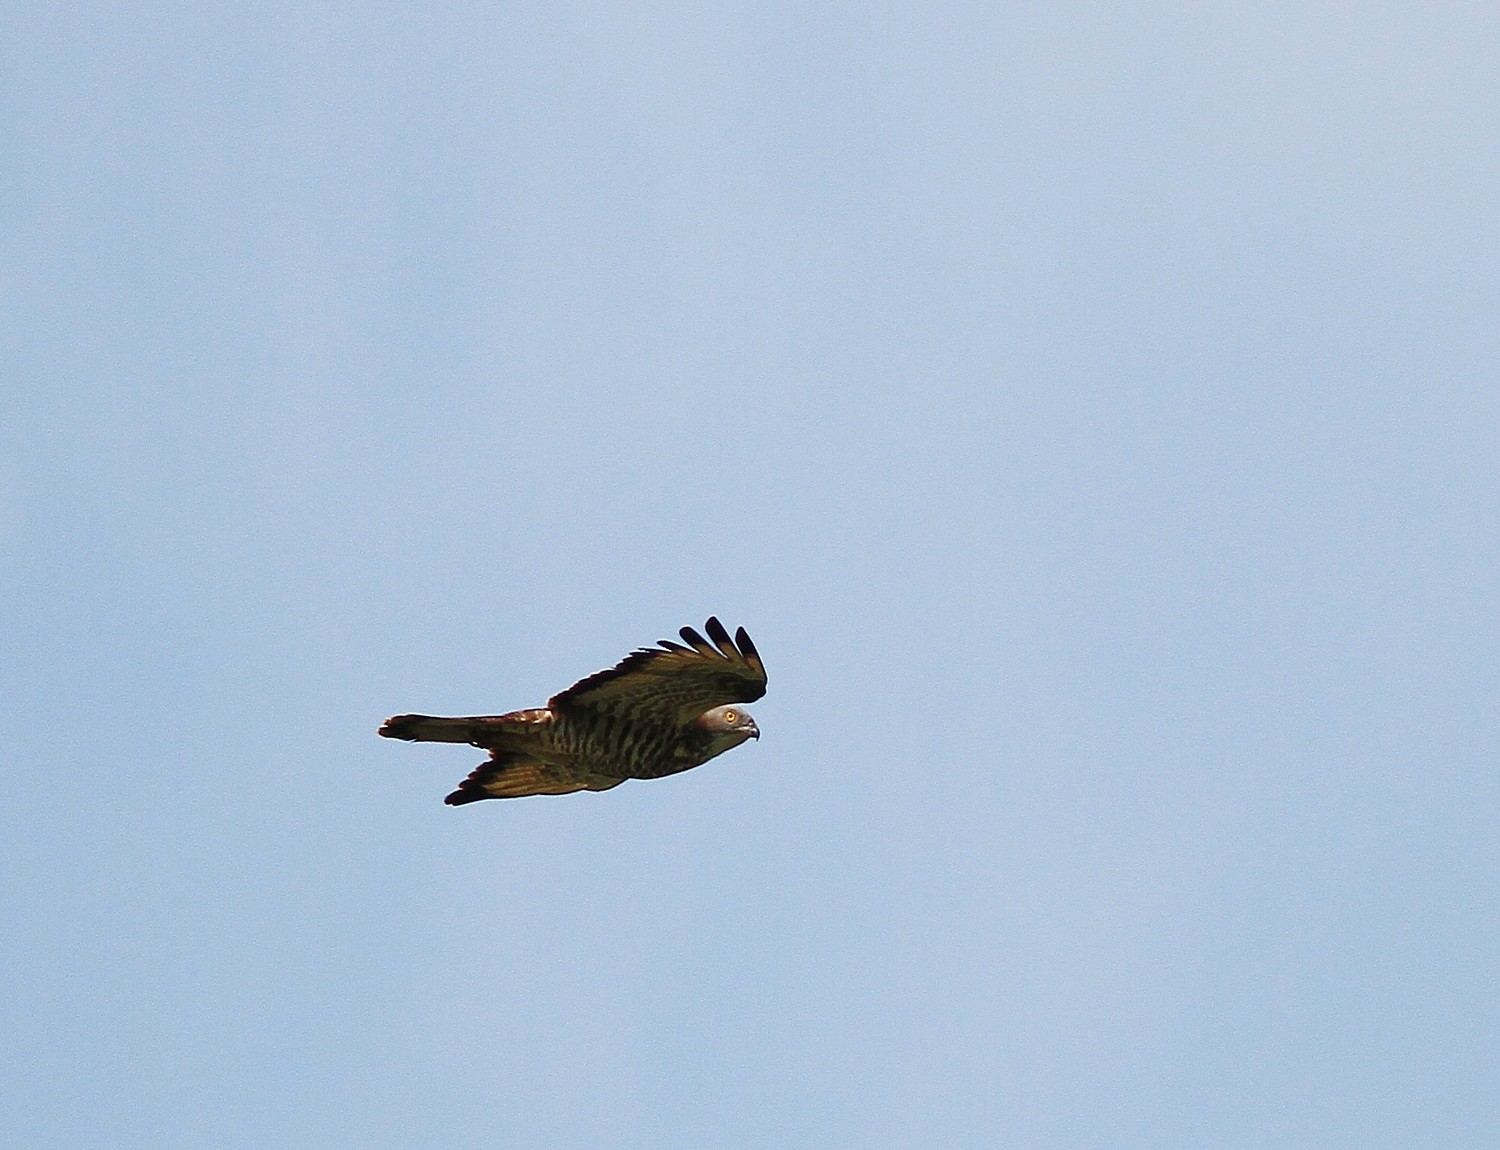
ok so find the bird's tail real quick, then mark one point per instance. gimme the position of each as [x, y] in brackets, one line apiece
[479, 729]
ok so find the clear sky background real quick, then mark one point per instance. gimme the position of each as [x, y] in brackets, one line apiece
[1091, 410]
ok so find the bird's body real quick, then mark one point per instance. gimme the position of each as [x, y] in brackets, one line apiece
[661, 710]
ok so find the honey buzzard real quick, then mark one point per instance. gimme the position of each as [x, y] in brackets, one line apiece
[659, 711]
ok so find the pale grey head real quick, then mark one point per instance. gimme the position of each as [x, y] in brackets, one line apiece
[727, 727]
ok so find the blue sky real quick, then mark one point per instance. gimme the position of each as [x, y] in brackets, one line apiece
[1091, 412]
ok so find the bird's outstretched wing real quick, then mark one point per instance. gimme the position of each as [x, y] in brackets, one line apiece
[673, 683]
[509, 776]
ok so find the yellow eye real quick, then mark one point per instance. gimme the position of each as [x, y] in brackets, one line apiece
[731, 717]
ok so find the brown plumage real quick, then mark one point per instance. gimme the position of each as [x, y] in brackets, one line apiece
[659, 711]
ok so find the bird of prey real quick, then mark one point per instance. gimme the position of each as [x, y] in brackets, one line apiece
[659, 711]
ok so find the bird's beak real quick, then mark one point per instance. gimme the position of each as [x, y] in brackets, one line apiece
[754, 731]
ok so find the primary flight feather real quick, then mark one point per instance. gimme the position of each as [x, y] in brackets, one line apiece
[659, 711]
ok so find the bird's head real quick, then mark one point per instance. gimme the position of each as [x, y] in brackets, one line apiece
[727, 727]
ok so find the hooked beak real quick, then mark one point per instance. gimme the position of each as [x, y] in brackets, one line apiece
[754, 731]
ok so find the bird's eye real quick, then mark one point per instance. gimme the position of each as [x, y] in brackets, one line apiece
[731, 717]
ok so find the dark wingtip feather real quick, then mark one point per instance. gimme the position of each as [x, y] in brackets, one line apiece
[472, 789]
[720, 636]
[747, 648]
[695, 640]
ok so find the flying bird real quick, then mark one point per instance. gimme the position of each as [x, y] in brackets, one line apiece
[660, 710]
